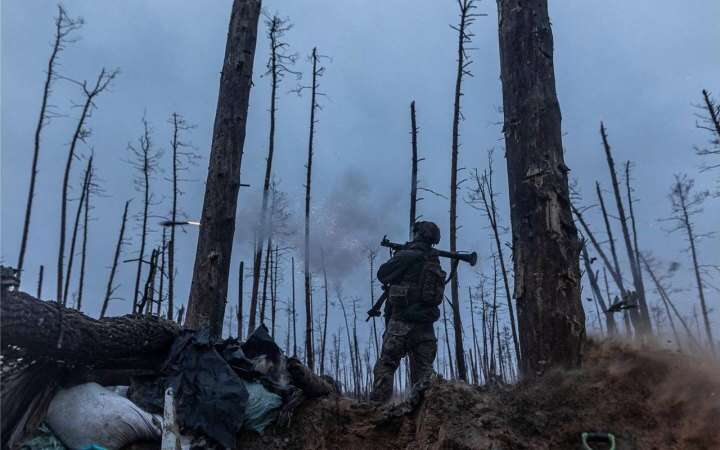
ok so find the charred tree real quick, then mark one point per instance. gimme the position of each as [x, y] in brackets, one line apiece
[467, 17]
[118, 342]
[113, 269]
[447, 342]
[625, 294]
[685, 204]
[325, 315]
[666, 300]
[484, 193]
[241, 279]
[208, 292]
[317, 72]
[182, 157]
[277, 67]
[86, 221]
[161, 275]
[551, 322]
[40, 282]
[372, 254]
[294, 313]
[64, 27]
[76, 226]
[80, 134]
[634, 268]
[413, 175]
[268, 262]
[710, 121]
[273, 290]
[145, 162]
[597, 293]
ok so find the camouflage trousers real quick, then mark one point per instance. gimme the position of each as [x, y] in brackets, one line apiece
[415, 340]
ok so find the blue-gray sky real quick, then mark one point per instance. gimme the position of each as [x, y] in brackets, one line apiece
[639, 66]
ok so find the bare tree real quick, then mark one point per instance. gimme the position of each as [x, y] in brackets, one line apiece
[76, 226]
[182, 158]
[40, 282]
[668, 303]
[616, 270]
[476, 345]
[278, 65]
[146, 301]
[113, 269]
[467, 18]
[484, 193]
[325, 314]
[274, 288]
[317, 72]
[208, 292]
[685, 204]
[372, 254]
[241, 279]
[161, 289]
[145, 161]
[413, 172]
[447, 341]
[597, 293]
[644, 319]
[80, 134]
[551, 322]
[294, 313]
[86, 222]
[709, 120]
[64, 27]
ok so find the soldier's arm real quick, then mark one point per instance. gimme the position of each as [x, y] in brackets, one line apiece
[396, 266]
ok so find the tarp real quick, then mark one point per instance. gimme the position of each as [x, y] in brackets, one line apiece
[219, 386]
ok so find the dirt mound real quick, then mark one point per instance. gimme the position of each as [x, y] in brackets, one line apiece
[649, 399]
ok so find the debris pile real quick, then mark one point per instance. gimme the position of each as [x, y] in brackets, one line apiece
[203, 393]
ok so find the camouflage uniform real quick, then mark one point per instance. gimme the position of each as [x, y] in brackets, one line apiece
[415, 282]
[417, 341]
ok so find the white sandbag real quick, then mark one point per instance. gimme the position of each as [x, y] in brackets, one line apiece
[89, 414]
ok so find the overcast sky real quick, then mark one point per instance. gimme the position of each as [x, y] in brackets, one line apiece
[638, 66]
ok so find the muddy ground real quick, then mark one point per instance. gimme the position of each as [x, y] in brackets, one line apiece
[649, 399]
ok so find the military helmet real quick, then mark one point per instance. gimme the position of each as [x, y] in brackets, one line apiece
[427, 232]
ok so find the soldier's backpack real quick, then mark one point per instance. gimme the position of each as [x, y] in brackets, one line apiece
[432, 282]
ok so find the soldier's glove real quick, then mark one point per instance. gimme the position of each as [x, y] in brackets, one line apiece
[373, 313]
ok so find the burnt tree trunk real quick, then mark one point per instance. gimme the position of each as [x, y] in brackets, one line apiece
[241, 276]
[309, 351]
[546, 249]
[63, 27]
[76, 225]
[597, 293]
[206, 306]
[323, 339]
[103, 81]
[40, 282]
[466, 19]
[83, 251]
[118, 248]
[145, 166]
[118, 342]
[413, 171]
[644, 314]
[294, 316]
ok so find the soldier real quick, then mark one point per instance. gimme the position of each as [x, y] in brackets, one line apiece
[414, 281]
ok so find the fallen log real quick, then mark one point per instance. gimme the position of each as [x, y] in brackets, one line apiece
[45, 345]
[47, 329]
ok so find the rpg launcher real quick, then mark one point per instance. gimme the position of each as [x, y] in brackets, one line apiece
[470, 258]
